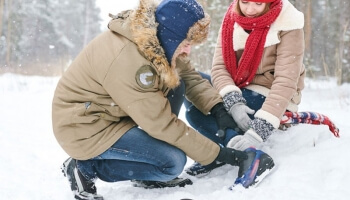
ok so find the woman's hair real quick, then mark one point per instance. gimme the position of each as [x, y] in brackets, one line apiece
[239, 11]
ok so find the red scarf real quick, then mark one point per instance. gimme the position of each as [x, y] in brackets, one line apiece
[254, 47]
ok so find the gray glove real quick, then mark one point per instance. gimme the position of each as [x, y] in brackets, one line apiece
[239, 112]
[243, 142]
[259, 132]
[236, 106]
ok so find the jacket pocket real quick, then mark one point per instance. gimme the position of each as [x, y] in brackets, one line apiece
[80, 116]
[89, 112]
[92, 109]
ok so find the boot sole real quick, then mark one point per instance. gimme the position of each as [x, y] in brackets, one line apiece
[157, 184]
[204, 172]
[263, 176]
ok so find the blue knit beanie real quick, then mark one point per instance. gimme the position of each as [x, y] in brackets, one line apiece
[175, 18]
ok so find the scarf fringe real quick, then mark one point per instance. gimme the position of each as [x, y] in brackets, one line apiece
[309, 118]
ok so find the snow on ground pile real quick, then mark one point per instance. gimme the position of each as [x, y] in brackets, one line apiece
[310, 162]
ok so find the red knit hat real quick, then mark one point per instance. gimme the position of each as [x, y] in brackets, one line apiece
[262, 1]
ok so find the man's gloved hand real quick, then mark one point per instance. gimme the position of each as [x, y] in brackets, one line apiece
[223, 119]
[235, 104]
[231, 156]
[259, 132]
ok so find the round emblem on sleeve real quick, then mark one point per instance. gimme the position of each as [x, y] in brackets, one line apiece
[146, 76]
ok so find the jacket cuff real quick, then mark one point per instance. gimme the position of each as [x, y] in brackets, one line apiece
[229, 88]
[272, 119]
[233, 98]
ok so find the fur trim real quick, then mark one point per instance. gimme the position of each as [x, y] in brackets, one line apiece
[197, 34]
[289, 19]
[268, 117]
[144, 30]
[229, 88]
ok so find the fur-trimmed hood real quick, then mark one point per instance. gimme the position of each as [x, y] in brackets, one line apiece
[140, 26]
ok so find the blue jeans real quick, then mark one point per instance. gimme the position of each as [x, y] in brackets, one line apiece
[138, 156]
[206, 124]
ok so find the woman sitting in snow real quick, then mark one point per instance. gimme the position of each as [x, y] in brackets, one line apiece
[257, 68]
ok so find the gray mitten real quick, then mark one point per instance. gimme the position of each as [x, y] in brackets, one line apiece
[259, 132]
[236, 106]
[243, 142]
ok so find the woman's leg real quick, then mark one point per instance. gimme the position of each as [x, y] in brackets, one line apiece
[176, 98]
[254, 100]
[206, 124]
[135, 156]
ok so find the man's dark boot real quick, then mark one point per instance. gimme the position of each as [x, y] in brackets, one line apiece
[254, 169]
[82, 188]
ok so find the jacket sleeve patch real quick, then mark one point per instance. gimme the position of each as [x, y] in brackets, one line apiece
[146, 77]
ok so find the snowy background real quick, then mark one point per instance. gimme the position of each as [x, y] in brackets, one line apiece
[311, 163]
[113, 7]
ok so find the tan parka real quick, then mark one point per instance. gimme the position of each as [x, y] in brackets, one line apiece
[280, 75]
[100, 96]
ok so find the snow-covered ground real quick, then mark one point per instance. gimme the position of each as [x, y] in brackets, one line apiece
[311, 163]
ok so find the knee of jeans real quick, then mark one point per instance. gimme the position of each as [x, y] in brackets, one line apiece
[178, 162]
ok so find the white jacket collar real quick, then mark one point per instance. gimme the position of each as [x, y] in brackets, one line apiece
[289, 19]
